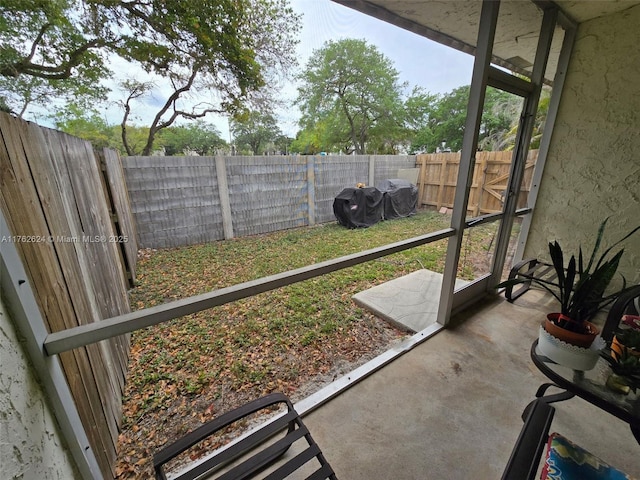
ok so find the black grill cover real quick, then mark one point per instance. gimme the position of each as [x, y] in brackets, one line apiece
[400, 198]
[358, 207]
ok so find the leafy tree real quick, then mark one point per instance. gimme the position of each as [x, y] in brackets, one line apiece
[444, 117]
[200, 137]
[23, 92]
[446, 122]
[255, 131]
[134, 89]
[501, 113]
[4, 106]
[283, 144]
[307, 142]
[50, 39]
[507, 139]
[541, 117]
[136, 140]
[352, 90]
[87, 124]
[231, 49]
[419, 118]
[47, 51]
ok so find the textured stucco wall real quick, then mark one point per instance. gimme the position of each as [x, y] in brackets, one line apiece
[30, 443]
[593, 167]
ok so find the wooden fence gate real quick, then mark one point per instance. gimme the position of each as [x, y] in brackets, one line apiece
[439, 173]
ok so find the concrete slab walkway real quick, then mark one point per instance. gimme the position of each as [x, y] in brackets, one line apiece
[409, 302]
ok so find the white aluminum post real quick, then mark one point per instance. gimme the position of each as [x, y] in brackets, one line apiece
[522, 143]
[543, 151]
[486, 33]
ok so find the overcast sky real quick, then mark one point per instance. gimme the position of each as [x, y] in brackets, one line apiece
[419, 61]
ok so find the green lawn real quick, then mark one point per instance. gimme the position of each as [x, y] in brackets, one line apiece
[185, 371]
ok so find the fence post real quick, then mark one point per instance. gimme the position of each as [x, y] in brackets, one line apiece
[421, 163]
[481, 169]
[223, 192]
[311, 189]
[443, 170]
[372, 171]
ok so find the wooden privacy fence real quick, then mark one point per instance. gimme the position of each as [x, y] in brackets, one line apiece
[78, 247]
[439, 173]
[180, 201]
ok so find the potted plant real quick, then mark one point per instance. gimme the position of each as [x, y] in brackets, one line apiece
[625, 368]
[623, 356]
[581, 292]
[627, 337]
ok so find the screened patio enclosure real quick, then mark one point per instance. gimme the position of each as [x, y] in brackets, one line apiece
[518, 47]
[588, 158]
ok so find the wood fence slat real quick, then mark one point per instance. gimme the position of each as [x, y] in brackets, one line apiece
[481, 167]
[119, 199]
[96, 225]
[51, 178]
[443, 179]
[27, 216]
[77, 265]
[107, 276]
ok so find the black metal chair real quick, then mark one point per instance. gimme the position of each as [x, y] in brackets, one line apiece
[526, 271]
[255, 452]
[527, 451]
[527, 454]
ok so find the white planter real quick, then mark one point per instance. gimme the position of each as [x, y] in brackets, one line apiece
[576, 358]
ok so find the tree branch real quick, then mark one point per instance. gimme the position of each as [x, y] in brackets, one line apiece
[57, 72]
[157, 125]
[135, 92]
[123, 127]
[38, 39]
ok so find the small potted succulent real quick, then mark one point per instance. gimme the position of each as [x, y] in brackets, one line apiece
[627, 337]
[625, 368]
[582, 290]
[623, 356]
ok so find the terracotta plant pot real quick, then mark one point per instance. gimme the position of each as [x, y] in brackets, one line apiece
[578, 339]
[576, 358]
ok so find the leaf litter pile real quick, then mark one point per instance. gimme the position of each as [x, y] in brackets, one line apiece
[294, 340]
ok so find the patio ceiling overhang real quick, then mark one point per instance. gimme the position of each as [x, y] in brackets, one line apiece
[455, 23]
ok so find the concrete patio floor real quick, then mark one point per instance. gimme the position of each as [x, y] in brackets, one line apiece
[450, 408]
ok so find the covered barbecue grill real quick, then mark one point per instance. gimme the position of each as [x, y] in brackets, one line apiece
[358, 207]
[400, 198]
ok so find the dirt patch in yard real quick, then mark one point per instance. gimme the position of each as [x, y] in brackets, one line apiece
[295, 339]
[315, 367]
